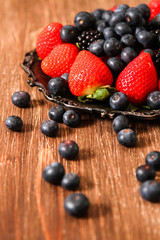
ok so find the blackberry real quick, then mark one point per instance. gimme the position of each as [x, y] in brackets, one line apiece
[87, 37]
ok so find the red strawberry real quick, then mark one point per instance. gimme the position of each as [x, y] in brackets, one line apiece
[48, 39]
[154, 6]
[138, 79]
[114, 8]
[60, 60]
[87, 74]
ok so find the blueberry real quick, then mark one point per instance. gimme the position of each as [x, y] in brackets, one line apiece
[84, 20]
[14, 123]
[57, 86]
[153, 160]
[151, 52]
[128, 54]
[69, 34]
[115, 64]
[56, 113]
[145, 38]
[76, 204]
[112, 47]
[122, 28]
[120, 122]
[153, 100]
[121, 8]
[139, 29]
[127, 137]
[109, 32]
[118, 101]
[145, 10]
[68, 149]
[49, 128]
[106, 15]
[70, 181]
[115, 18]
[145, 172]
[155, 23]
[97, 47]
[54, 173]
[65, 76]
[129, 40]
[150, 190]
[98, 13]
[133, 16]
[71, 118]
[100, 25]
[21, 99]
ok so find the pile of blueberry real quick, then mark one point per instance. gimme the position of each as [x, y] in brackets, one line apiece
[75, 204]
[120, 34]
[146, 174]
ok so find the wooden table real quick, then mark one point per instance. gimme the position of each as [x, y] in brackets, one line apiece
[30, 208]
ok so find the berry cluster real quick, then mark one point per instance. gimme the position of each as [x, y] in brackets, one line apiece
[150, 188]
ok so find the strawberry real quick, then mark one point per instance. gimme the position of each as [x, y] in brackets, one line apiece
[87, 74]
[48, 39]
[154, 6]
[113, 8]
[60, 60]
[138, 79]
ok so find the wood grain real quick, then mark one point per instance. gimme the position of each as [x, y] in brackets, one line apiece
[31, 208]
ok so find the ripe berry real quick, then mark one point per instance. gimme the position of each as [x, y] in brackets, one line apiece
[69, 34]
[68, 149]
[153, 100]
[115, 18]
[98, 13]
[128, 54]
[101, 25]
[57, 86]
[118, 101]
[122, 28]
[14, 123]
[106, 15]
[116, 65]
[144, 10]
[109, 32]
[133, 16]
[150, 190]
[128, 40]
[49, 128]
[70, 181]
[21, 99]
[65, 76]
[145, 172]
[76, 204]
[54, 173]
[84, 20]
[145, 38]
[120, 122]
[153, 160]
[112, 47]
[127, 137]
[71, 118]
[121, 8]
[97, 47]
[56, 113]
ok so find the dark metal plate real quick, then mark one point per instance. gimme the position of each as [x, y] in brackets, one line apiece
[32, 66]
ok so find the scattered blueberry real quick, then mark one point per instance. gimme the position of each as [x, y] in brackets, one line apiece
[153, 100]
[49, 128]
[98, 13]
[145, 10]
[120, 122]
[133, 16]
[116, 65]
[84, 20]
[69, 34]
[128, 54]
[153, 160]
[139, 29]
[127, 137]
[128, 40]
[118, 101]
[123, 28]
[121, 8]
[97, 47]
[70, 181]
[112, 47]
[65, 76]
[14, 123]
[145, 172]
[21, 99]
[57, 86]
[109, 32]
[106, 15]
[101, 25]
[71, 118]
[54, 173]
[56, 113]
[115, 18]
[76, 204]
[145, 38]
[68, 149]
[150, 190]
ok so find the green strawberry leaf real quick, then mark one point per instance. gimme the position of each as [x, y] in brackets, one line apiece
[83, 99]
[132, 108]
[145, 107]
[102, 93]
